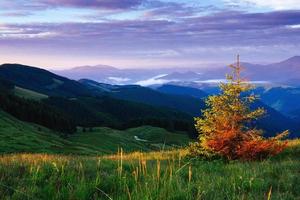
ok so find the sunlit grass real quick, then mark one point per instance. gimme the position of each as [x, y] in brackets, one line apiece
[154, 155]
[294, 143]
[153, 175]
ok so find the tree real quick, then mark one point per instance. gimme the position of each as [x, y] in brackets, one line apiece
[224, 128]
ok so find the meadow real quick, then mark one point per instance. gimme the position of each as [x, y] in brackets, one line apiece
[154, 175]
[17, 137]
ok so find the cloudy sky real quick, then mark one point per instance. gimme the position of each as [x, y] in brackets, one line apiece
[147, 33]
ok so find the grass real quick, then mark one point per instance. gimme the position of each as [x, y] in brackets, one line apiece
[108, 140]
[160, 175]
[29, 94]
[18, 136]
[38, 164]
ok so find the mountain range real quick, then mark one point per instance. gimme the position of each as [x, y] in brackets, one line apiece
[87, 106]
[285, 72]
[89, 103]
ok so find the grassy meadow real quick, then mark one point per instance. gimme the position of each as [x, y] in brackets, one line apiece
[17, 137]
[154, 175]
[36, 163]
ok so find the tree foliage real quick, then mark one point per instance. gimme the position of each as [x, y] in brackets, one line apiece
[225, 126]
[36, 112]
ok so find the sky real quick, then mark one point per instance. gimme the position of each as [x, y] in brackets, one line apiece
[60, 34]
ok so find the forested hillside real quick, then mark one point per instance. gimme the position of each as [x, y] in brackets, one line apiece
[62, 104]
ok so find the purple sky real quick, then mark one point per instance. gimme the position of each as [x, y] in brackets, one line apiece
[147, 33]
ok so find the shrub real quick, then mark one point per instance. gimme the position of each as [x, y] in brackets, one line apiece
[224, 128]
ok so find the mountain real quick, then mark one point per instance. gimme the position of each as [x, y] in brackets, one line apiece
[42, 81]
[100, 87]
[275, 122]
[181, 90]
[108, 74]
[97, 72]
[286, 72]
[104, 68]
[135, 93]
[295, 115]
[91, 104]
[84, 106]
[33, 110]
[280, 73]
[293, 64]
[37, 112]
[6, 86]
[120, 114]
[276, 73]
[284, 100]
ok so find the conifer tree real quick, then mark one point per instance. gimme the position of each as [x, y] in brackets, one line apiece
[224, 128]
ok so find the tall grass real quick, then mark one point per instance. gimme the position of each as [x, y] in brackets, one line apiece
[154, 175]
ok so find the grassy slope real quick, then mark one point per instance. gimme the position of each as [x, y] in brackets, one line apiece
[158, 136]
[17, 136]
[139, 177]
[109, 140]
[29, 94]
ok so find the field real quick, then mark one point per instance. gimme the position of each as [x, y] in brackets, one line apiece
[154, 175]
[102, 163]
[18, 136]
[145, 138]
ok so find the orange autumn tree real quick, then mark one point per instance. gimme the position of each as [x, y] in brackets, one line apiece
[224, 128]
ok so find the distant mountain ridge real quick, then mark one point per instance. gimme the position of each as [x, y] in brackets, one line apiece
[286, 72]
[93, 68]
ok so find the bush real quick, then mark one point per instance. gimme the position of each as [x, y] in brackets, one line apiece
[224, 128]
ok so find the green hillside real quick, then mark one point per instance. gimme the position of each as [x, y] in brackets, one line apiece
[106, 111]
[28, 94]
[17, 136]
[143, 138]
[93, 107]
[41, 81]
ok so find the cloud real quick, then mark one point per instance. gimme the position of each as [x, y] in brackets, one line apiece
[167, 38]
[46, 4]
[156, 80]
[273, 4]
[25, 32]
[158, 9]
[108, 4]
[149, 8]
[119, 79]
[190, 39]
